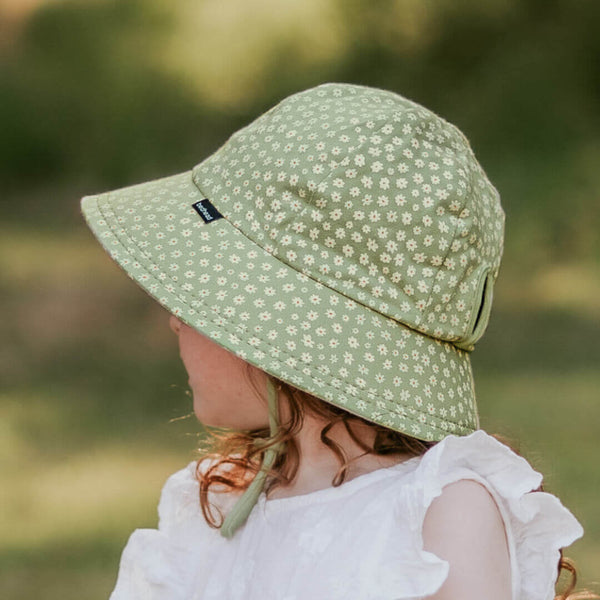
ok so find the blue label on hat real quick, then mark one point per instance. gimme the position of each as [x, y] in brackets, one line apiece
[207, 211]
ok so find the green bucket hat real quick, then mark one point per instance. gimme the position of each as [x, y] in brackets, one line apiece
[347, 242]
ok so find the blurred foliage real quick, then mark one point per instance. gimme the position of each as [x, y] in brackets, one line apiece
[98, 94]
[101, 94]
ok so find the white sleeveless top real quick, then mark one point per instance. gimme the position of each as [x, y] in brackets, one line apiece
[359, 541]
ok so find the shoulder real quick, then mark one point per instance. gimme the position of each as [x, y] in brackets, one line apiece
[464, 504]
[464, 527]
[472, 504]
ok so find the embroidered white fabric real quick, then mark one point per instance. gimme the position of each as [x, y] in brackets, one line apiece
[359, 541]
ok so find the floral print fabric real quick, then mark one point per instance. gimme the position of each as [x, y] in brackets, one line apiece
[355, 260]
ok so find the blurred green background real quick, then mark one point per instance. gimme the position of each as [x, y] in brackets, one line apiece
[99, 94]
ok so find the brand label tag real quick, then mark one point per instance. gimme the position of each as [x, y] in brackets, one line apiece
[207, 211]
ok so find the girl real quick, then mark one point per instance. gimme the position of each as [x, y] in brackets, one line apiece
[328, 271]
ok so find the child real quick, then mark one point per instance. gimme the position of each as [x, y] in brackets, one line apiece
[328, 271]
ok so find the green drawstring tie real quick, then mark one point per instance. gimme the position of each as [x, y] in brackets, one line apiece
[239, 513]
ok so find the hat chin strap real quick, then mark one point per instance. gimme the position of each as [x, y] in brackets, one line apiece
[239, 513]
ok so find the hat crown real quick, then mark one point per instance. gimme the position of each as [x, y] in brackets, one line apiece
[372, 195]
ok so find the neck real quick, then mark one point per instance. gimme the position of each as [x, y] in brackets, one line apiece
[318, 464]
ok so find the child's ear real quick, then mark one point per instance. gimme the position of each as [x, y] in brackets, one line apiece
[174, 324]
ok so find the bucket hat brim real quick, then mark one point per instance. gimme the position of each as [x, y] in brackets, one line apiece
[226, 286]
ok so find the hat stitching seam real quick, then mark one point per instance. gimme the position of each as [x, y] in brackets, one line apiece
[222, 323]
[340, 293]
[331, 172]
[195, 177]
[448, 252]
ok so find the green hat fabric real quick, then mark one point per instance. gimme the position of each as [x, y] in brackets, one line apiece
[347, 242]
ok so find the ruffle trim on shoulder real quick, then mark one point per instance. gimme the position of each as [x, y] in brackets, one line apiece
[153, 567]
[537, 524]
[160, 564]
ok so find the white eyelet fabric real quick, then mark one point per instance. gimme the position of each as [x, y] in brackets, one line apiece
[309, 546]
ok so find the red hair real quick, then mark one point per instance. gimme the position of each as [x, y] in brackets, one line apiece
[236, 458]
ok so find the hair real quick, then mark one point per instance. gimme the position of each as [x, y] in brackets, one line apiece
[231, 459]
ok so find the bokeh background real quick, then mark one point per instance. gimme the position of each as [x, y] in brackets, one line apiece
[99, 94]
